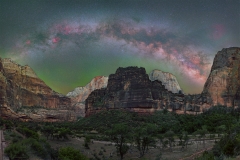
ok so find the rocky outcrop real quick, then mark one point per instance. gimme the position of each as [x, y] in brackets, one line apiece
[130, 88]
[24, 96]
[223, 83]
[80, 94]
[20, 87]
[168, 80]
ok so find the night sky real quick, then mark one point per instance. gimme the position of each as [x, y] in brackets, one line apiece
[69, 42]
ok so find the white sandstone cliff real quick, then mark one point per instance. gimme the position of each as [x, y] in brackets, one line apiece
[168, 80]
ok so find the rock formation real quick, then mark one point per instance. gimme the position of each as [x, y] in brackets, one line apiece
[223, 84]
[21, 88]
[168, 80]
[80, 94]
[130, 88]
[24, 96]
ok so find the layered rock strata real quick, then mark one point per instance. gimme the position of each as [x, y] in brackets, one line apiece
[130, 88]
[80, 94]
[223, 84]
[20, 87]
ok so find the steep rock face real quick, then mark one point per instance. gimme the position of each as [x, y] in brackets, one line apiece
[5, 110]
[20, 87]
[223, 83]
[80, 94]
[130, 88]
[168, 80]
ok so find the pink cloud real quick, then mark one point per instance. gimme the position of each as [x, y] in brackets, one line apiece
[56, 39]
[28, 42]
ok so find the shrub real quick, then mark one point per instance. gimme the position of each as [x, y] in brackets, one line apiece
[28, 133]
[38, 149]
[87, 140]
[15, 140]
[16, 151]
[69, 153]
[206, 155]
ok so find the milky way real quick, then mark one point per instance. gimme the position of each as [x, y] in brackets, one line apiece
[67, 44]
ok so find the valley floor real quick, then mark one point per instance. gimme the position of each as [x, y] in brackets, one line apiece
[107, 150]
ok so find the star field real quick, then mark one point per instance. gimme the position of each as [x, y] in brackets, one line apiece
[67, 43]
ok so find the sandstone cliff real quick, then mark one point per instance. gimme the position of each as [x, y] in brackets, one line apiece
[21, 88]
[223, 83]
[168, 80]
[130, 88]
[80, 94]
[24, 96]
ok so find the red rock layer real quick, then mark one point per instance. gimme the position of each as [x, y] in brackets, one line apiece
[20, 87]
[130, 88]
[223, 83]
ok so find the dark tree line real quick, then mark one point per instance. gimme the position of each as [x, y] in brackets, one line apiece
[126, 129]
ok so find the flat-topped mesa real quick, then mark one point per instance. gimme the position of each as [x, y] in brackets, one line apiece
[223, 82]
[22, 89]
[80, 94]
[128, 78]
[130, 88]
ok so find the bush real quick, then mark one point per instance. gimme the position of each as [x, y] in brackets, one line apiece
[28, 133]
[16, 151]
[15, 137]
[69, 153]
[15, 140]
[87, 140]
[38, 149]
[206, 155]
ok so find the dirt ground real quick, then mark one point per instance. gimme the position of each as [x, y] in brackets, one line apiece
[107, 150]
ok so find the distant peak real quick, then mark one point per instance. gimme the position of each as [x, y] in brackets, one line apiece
[168, 80]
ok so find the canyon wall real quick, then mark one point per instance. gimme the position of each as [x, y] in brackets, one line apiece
[130, 88]
[22, 91]
[223, 83]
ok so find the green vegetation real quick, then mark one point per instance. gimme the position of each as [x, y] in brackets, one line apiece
[144, 137]
[69, 153]
[16, 151]
[165, 127]
[87, 141]
[163, 130]
[119, 134]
